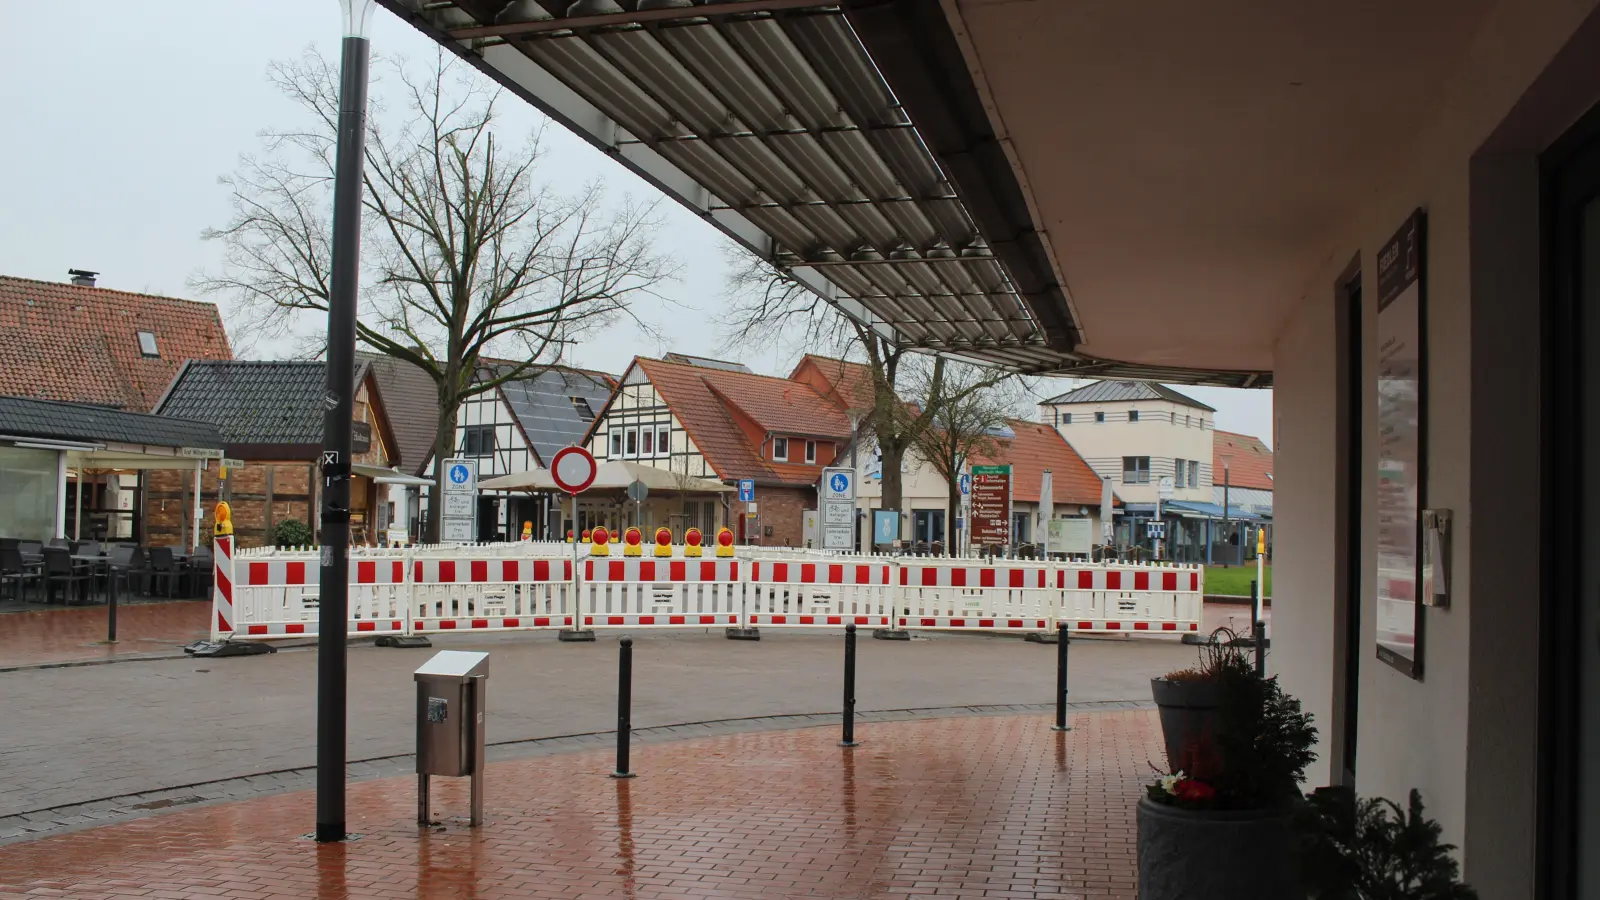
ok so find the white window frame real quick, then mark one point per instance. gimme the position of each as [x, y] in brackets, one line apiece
[155, 347]
[615, 438]
[664, 440]
[1194, 473]
[630, 443]
[780, 457]
[1141, 474]
[811, 453]
[647, 442]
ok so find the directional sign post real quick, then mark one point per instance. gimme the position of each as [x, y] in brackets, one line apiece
[836, 499]
[459, 490]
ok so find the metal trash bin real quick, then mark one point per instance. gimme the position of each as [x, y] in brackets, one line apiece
[451, 691]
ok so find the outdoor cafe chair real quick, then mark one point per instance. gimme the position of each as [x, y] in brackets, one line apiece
[163, 570]
[119, 564]
[199, 572]
[31, 549]
[59, 570]
[13, 570]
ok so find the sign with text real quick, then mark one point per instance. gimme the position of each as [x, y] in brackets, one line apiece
[1402, 425]
[836, 501]
[459, 488]
[991, 504]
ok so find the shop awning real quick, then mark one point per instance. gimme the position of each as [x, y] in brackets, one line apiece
[1197, 510]
[388, 476]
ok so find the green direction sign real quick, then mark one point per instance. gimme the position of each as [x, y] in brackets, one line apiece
[991, 470]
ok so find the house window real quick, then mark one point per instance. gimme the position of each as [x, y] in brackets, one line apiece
[1099, 417]
[1066, 418]
[663, 440]
[585, 411]
[647, 441]
[1133, 415]
[1136, 470]
[811, 452]
[616, 444]
[147, 345]
[632, 440]
[1194, 473]
[478, 440]
[780, 449]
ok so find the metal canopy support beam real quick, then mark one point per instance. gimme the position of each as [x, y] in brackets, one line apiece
[574, 23]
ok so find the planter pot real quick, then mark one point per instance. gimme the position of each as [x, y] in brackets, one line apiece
[1188, 723]
[1215, 855]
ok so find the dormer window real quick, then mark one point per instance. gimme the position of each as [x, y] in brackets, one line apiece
[584, 410]
[811, 452]
[780, 449]
[147, 345]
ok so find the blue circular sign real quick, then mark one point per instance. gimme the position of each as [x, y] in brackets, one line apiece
[839, 483]
[459, 474]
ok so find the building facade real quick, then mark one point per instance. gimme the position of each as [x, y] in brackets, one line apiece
[707, 419]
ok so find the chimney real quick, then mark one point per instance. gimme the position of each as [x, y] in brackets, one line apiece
[82, 277]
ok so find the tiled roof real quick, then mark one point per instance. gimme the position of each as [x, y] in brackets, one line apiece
[412, 402]
[54, 420]
[1125, 392]
[1249, 461]
[699, 397]
[1037, 447]
[80, 344]
[850, 382]
[255, 402]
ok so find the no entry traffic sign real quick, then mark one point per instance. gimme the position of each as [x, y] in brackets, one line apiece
[573, 469]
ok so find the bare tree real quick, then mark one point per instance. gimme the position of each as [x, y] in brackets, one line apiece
[767, 303]
[972, 406]
[466, 257]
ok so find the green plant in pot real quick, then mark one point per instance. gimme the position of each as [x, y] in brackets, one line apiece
[1217, 823]
[1354, 849]
[291, 533]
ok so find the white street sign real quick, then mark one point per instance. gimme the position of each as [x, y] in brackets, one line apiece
[837, 537]
[838, 484]
[458, 531]
[836, 513]
[461, 506]
[1165, 488]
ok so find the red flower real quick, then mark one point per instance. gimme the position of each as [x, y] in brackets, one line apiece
[1194, 791]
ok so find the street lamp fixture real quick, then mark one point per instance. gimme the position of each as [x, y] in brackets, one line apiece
[357, 17]
[338, 401]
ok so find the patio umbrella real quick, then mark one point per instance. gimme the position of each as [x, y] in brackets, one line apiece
[614, 475]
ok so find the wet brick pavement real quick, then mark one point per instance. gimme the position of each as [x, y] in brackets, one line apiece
[88, 734]
[981, 807]
[77, 635]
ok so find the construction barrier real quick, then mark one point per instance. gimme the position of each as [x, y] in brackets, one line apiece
[266, 594]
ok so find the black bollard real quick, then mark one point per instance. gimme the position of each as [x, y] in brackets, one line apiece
[849, 687]
[624, 707]
[1062, 640]
[111, 606]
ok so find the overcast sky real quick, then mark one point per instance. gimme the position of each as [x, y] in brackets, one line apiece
[118, 131]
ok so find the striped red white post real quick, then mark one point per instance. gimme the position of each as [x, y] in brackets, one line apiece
[222, 589]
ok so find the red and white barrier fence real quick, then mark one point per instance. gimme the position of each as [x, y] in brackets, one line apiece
[274, 594]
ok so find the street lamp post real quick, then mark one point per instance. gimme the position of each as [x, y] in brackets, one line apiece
[334, 584]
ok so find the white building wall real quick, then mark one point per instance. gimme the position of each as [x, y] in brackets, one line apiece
[1466, 734]
[1165, 432]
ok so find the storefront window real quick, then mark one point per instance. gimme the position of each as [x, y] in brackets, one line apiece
[28, 484]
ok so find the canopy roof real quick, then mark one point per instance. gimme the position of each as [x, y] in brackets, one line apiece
[770, 119]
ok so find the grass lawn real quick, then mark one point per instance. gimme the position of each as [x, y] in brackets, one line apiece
[1234, 580]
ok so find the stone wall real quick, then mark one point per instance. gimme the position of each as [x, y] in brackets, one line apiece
[780, 509]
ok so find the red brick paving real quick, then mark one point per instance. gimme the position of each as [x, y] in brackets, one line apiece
[990, 807]
[75, 635]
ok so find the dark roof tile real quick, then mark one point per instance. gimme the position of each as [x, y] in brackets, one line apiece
[55, 420]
